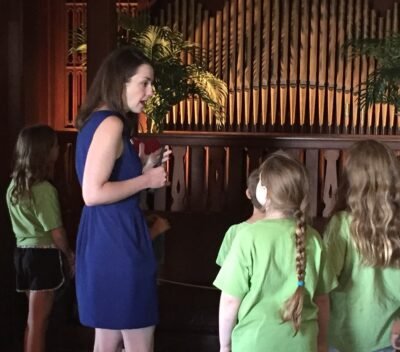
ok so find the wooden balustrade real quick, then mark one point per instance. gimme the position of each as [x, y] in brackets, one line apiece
[208, 171]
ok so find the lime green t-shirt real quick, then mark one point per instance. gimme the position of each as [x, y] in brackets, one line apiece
[32, 221]
[260, 269]
[227, 241]
[366, 300]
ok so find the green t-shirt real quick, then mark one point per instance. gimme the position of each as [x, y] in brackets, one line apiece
[32, 221]
[366, 300]
[227, 241]
[260, 269]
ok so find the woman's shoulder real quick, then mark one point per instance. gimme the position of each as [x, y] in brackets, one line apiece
[107, 118]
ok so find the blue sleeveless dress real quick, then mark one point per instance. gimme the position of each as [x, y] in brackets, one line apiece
[115, 263]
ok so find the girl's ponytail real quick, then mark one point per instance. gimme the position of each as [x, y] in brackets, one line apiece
[293, 307]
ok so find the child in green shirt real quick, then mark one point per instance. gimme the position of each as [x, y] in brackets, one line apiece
[258, 213]
[363, 247]
[36, 221]
[275, 275]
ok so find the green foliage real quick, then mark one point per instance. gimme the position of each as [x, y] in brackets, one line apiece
[382, 85]
[175, 80]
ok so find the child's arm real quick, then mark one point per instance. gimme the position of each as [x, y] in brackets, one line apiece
[395, 338]
[61, 242]
[322, 302]
[228, 310]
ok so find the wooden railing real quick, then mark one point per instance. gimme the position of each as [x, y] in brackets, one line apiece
[208, 171]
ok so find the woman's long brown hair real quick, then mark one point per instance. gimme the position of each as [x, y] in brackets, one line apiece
[109, 83]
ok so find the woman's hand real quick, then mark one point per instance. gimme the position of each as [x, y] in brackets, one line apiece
[156, 177]
[151, 160]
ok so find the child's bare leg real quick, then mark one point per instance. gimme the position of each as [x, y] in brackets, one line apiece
[139, 340]
[40, 305]
[107, 340]
[396, 334]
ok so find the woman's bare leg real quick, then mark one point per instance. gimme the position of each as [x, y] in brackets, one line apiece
[107, 340]
[40, 305]
[139, 340]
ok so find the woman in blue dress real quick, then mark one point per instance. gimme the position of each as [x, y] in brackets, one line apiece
[115, 264]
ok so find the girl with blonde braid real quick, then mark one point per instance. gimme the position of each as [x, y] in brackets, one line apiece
[275, 274]
[363, 247]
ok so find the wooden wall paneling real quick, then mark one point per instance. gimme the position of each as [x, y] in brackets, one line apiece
[211, 64]
[240, 66]
[322, 62]
[294, 61]
[265, 66]
[291, 50]
[205, 46]
[248, 62]
[371, 68]
[384, 111]
[284, 62]
[197, 178]
[236, 179]
[378, 107]
[331, 57]
[216, 178]
[311, 163]
[304, 57]
[58, 39]
[275, 62]
[191, 35]
[365, 126]
[232, 64]
[314, 34]
[254, 158]
[160, 198]
[355, 121]
[330, 181]
[197, 40]
[348, 68]
[393, 111]
[178, 181]
[11, 59]
[101, 33]
[256, 63]
[339, 77]
[183, 27]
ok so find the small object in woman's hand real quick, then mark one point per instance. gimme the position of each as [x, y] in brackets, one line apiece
[161, 156]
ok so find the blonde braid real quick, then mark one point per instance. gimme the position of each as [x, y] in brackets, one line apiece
[293, 307]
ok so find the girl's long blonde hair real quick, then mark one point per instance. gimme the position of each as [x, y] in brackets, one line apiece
[31, 159]
[370, 192]
[287, 185]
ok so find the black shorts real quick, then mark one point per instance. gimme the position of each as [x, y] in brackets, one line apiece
[38, 269]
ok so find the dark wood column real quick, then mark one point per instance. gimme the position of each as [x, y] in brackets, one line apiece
[11, 29]
[101, 33]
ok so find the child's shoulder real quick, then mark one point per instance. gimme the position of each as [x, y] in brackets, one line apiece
[43, 187]
[338, 220]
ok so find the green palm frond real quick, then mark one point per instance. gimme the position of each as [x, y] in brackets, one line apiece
[175, 80]
[382, 85]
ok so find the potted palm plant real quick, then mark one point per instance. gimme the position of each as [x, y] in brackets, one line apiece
[383, 84]
[175, 80]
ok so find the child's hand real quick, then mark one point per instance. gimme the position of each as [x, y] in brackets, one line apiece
[71, 264]
[395, 339]
[159, 226]
[225, 349]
